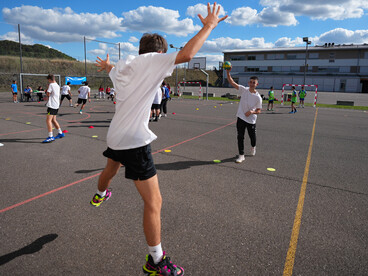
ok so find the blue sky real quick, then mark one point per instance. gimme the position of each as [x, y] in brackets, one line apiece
[251, 24]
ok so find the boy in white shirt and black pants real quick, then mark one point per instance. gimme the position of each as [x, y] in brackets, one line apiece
[53, 92]
[84, 94]
[136, 81]
[250, 105]
[66, 93]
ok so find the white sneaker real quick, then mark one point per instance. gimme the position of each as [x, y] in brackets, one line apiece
[253, 151]
[240, 159]
[165, 115]
[80, 112]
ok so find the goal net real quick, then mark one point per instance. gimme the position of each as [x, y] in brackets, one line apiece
[34, 81]
[297, 85]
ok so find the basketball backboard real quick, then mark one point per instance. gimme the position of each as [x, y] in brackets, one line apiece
[197, 63]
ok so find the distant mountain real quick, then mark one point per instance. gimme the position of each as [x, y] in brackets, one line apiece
[11, 48]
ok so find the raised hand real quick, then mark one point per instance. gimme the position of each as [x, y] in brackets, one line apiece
[212, 18]
[104, 64]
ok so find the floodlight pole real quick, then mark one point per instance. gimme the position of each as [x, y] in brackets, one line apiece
[21, 64]
[306, 40]
[176, 79]
[204, 72]
[119, 50]
[85, 58]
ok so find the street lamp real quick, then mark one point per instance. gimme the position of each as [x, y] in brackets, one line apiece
[307, 42]
[176, 82]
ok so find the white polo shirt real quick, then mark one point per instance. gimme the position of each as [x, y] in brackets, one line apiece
[65, 89]
[136, 81]
[248, 101]
[83, 92]
[54, 98]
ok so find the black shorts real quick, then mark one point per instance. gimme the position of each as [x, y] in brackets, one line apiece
[51, 111]
[66, 96]
[155, 106]
[138, 162]
[15, 93]
[270, 101]
[82, 101]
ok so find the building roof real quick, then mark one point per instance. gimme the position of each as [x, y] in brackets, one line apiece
[310, 48]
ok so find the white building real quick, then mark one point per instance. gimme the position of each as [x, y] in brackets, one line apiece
[334, 68]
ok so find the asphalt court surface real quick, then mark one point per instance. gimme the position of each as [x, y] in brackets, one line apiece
[217, 218]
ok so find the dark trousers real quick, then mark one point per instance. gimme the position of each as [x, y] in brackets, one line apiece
[164, 105]
[240, 127]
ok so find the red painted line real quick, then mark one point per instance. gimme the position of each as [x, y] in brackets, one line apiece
[97, 174]
[47, 193]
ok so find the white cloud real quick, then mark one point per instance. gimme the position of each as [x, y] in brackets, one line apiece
[288, 42]
[62, 25]
[97, 52]
[153, 19]
[133, 39]
[269, 16]
[321, 10]
[193, 11]
[342, 36]
[13, 36]
[226, 43]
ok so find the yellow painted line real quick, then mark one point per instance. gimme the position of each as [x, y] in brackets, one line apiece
[290, 257]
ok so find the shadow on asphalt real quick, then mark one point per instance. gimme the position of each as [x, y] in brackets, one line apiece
[89, 171]
[34, 247]
[183, 165]
[26, 141]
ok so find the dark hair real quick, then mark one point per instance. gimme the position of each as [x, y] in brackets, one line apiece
[253, 78]
[293, 87]
[51, 77]
[14, 81]
[68, 83]
[85, 82]
[152, 43]
[271, 87]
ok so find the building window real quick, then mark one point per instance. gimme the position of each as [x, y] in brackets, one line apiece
[344, 69]
[271, 56]
[313, 55]
[291, 56]
[329, 69]
[237, 69]
[364, 69]
[263, 69]
[294, 68]
[276, 68]
[279, 56]
[253, 69]
[332, 57]
[366, 55]
[251, 57]
[237, 57]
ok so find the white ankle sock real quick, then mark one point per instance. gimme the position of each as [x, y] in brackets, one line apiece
[59, 131]
[156, 253]
[101, 194]
[50, 134]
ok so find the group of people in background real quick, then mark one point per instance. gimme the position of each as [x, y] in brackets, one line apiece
[294, 95]
[110, 92]
[159, 105]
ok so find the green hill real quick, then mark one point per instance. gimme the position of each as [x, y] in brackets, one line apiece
[11, 48]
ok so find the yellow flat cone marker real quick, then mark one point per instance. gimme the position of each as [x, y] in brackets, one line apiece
[215, 106]
[197, 108]
[220, 104]
[271, 169]
[217, 161]
[167, 150]
[7, 119]
[28, 123]
[94, 136]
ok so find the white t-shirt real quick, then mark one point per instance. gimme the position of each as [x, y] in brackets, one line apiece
[65, 90]
[158, 96]
[136, 81]
[248, 101]
[112, 91]
[83, 92]
[54, 98]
